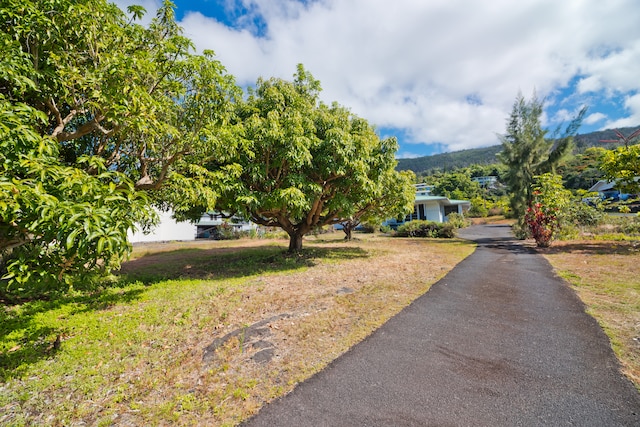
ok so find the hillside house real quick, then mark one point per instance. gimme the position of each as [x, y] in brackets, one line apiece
[609, 190]
[431, 208]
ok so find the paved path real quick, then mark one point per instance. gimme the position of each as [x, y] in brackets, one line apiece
[499, 341]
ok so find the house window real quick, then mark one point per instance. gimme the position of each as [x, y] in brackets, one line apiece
[450, 209]
[421, 214]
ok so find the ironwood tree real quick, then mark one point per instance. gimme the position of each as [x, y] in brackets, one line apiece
[528, 151]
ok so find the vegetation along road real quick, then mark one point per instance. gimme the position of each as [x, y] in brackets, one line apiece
[500, 340]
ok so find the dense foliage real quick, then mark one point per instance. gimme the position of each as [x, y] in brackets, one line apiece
[309, 164]
[423, 228]
[528, 152]
[101, 118]
[623, 166]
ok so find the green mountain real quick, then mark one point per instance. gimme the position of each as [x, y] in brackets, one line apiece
[487, 155]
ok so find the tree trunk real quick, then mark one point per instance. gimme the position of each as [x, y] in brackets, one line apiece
[295, 241]
[347, 231]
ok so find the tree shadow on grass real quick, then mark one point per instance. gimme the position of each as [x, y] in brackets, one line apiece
[211, 264]
[595, 247]
[26, 339]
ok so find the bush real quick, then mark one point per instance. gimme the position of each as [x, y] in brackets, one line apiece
[629, 225]
[366, 228]
[457, 220]
[520, 232]
[446, 231]
[478, 208]
[226, 231]
[583, 214]
[421, 228]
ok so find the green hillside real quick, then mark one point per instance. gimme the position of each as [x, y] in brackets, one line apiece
[487, 155]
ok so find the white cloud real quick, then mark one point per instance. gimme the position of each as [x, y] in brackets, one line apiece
[594, 118]
[632, 103]
[446, 71]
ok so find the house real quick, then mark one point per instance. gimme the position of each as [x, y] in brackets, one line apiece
[168, 229]
[436, 208]
[431, 208]
[210, 223]
[486, 181]
[608, 190]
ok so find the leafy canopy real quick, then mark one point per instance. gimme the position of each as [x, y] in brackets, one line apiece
[528, 152]
[100, 117]
[308, 164]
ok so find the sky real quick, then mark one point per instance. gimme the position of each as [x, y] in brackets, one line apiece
[440, 75]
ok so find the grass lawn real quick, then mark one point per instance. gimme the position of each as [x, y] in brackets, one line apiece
[205, 333]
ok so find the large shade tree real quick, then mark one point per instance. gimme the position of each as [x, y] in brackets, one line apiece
[100, 117]
[528, 150]
[307, 164]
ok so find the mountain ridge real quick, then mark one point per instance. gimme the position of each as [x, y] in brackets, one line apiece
[488, 155]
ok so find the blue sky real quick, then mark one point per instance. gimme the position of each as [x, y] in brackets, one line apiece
[439, 75]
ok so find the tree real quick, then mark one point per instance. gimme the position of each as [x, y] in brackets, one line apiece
[527, 152]
[457, 185]
[623, 164]
[582, 171]
[101, 116]
[393, 196]
[307, 164]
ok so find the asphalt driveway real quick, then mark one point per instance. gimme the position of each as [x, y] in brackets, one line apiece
[499, 341]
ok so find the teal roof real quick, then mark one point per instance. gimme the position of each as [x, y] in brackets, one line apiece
[444, 200]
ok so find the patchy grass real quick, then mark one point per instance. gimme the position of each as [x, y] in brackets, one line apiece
[605, 276]
[133, 354]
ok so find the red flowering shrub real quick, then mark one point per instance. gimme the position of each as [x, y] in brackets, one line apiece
[546, 209]
[542, 225]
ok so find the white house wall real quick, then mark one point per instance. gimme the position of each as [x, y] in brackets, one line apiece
[433, 210]
[168, 229]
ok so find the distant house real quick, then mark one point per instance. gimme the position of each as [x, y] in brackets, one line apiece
[208, 226]
[168, 229]
[609, 190]
[486, 181]
[432, 208]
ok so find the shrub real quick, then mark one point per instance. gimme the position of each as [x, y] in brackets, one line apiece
[366, 228]
[583, 214]
[457, 220]
[629, 225]
[479, 208]
[421, 228]
[226, 231]
[547, 209]
[445, 231]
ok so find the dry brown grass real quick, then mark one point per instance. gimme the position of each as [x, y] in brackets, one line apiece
[138, 360]
[329, 307]
[605, 277]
